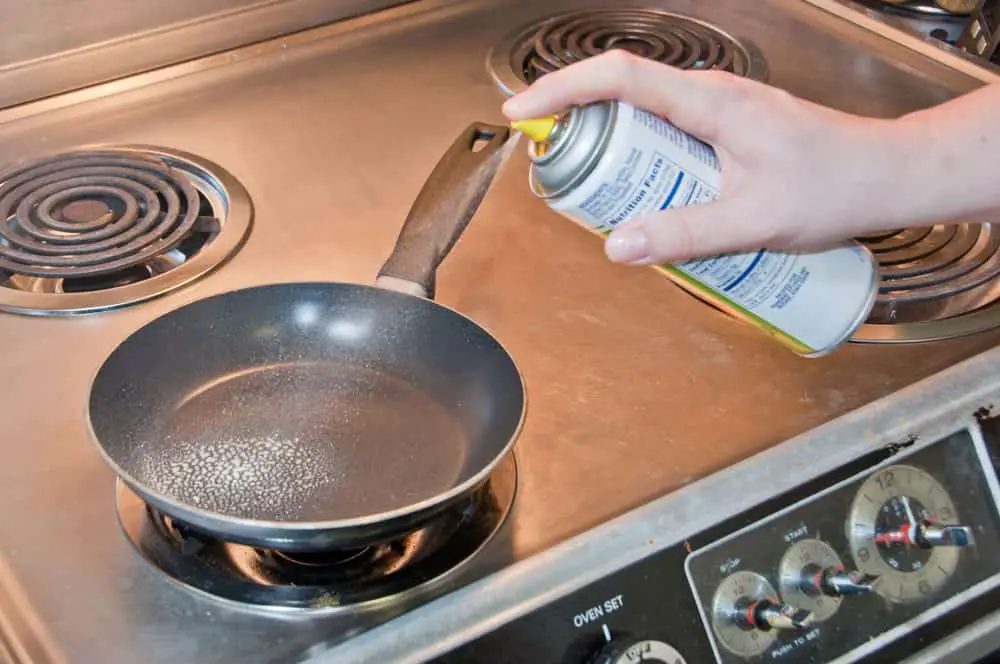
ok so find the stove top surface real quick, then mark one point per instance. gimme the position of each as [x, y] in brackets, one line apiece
[298, 161]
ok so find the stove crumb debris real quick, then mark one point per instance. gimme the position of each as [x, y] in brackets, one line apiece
[326, 601]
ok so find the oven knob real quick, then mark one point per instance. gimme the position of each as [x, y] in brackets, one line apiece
[747, 614]
[904, 528]
[926, 535]
[835, 581]
[812, 577]
[632, 651]
[769, 614]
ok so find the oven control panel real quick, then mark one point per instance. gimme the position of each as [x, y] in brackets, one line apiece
[838, 571]
[869, 563]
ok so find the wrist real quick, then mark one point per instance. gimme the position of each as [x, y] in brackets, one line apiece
[937, 174]
[923, 170]
[880, 177]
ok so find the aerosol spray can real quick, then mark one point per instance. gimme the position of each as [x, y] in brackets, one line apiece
[605, 163]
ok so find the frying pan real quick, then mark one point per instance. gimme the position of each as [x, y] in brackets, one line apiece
[314, 416]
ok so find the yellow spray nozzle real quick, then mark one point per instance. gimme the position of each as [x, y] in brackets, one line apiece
[537, 129]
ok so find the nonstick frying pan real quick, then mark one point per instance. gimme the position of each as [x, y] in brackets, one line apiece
[308, 416]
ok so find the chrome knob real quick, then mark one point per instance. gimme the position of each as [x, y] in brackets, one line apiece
[769, 614]
[835, 581]
[924, 533]
[639, 650]
[931, 535]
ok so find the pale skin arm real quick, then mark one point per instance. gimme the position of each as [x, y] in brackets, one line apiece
[795, 174]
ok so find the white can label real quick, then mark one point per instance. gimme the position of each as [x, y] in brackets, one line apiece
[813, 301]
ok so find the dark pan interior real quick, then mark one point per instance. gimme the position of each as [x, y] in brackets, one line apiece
[306, 402]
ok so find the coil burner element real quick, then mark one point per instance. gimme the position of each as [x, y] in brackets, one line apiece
[94, 229]
[680, 41]
[936, 282]
[384, 573]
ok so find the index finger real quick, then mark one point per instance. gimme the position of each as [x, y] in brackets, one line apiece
[690, 99]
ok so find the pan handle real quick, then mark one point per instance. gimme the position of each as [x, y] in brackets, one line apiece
[443, 208]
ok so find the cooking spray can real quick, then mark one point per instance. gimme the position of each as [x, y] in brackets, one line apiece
[605, 163]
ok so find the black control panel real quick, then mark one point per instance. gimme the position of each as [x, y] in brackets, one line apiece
[838, 571]
[871, 562]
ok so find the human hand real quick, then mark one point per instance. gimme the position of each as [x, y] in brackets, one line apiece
[795, 175]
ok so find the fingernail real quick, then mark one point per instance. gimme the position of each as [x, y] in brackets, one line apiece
[627, 245]
[511, 105]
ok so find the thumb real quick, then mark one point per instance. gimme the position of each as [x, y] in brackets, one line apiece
[695, 231]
